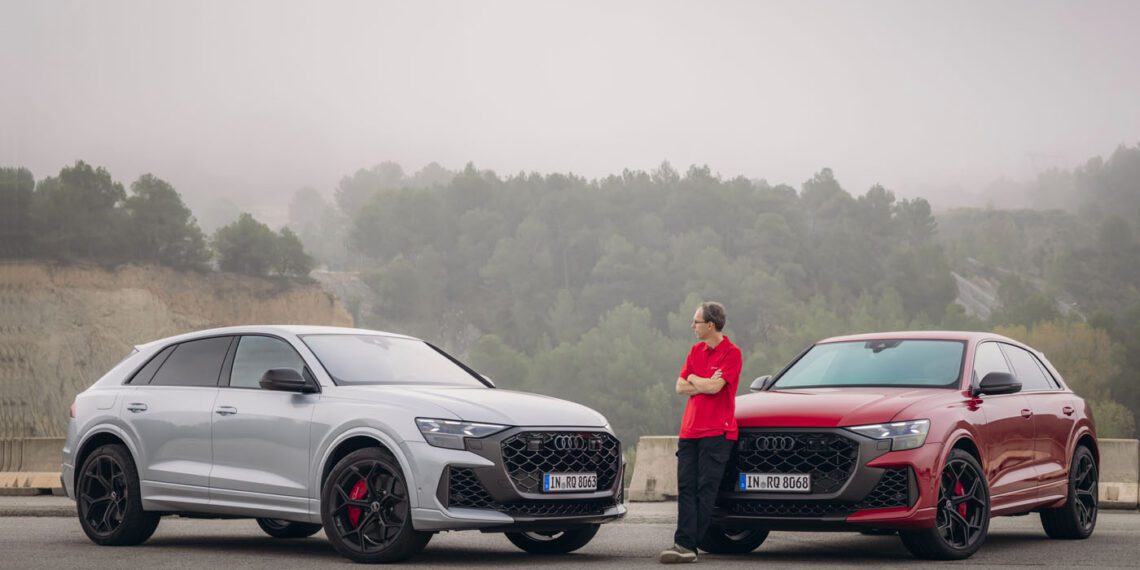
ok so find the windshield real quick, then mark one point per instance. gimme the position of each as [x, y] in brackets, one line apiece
[936, 363]
[356, 359]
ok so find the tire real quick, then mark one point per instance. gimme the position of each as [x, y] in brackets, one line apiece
[108, 500]
[1077, 518]
[278, 528]
[560, 542]
[963, 513]
[366, 511]
[720, 540]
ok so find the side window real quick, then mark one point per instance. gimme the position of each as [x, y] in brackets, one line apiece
[194, 363]
[988, 358]
[1026, 370]
[145, 373]
[256, 354]
[1048, 375]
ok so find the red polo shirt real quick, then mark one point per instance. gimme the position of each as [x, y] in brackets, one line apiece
[711, 415]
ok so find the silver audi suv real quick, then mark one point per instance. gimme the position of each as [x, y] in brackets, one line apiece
[380, 439]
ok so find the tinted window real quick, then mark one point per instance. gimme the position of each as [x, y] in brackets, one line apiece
[256, 354]
[877, 363]
[194, 363]
[988, 358]
[1026, 370]
[375, 359]
[144, 374]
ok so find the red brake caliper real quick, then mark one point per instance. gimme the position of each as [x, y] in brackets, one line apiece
[358, 491]
[959, 490]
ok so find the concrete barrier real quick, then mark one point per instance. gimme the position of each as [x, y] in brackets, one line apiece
[1119, 473]
[31, 454]
[30, 466]
[655, 471]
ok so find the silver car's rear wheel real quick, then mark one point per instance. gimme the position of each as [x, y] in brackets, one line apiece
[108, 499]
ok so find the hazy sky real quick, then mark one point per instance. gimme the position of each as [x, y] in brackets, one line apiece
[251, 98]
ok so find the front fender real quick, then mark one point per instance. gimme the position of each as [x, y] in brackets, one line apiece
[398, 448]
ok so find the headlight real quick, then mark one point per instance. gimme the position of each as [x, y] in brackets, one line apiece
[903, 435]
[452, 433]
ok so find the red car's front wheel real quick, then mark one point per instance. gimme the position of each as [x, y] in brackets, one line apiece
[963, 513]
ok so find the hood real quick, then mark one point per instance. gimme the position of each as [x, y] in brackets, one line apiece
[831, 407]
[477, 404]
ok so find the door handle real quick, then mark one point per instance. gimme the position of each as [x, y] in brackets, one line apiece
[1068, 410]
[136, 407]
[225, 410]
[1026, 413]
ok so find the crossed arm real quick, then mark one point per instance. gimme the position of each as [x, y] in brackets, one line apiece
[696, 385]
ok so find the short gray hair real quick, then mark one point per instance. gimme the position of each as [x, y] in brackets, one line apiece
[713, 312]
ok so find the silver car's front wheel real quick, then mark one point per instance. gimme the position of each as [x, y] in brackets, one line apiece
[366, 511]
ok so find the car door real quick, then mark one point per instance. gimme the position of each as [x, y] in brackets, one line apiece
[1053, 411]
[169, 411]
[1007, 433]
[261, 437]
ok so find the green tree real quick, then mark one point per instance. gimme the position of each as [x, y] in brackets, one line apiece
[1021, 304]
[16, 190]
[246, 246]
[291, 259]
[75, 214]
[162, 229]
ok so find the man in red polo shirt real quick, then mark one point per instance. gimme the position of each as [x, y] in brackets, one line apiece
[708, 429]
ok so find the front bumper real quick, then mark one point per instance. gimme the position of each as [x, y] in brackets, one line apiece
[495, 485]
[857, 483]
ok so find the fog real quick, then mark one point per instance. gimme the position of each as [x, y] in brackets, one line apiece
[253, 100]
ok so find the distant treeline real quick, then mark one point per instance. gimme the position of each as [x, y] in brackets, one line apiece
[585, 288]
[83, 214]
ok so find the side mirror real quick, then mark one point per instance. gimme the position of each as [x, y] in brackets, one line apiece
[285, 380]
[759, 384]
[996, 383]
[488, 379]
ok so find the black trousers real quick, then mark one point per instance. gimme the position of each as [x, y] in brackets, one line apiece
[700, 467]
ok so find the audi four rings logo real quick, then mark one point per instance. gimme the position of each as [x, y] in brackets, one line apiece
[775, 443]
[576, 443]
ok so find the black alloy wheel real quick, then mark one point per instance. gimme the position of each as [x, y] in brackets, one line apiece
[1077, 518]
[963, 513]
[720, 540]
[278, 528]
[108, 499]
[555, 542]
[366, 509]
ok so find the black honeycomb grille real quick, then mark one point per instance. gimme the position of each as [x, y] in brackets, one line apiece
[465, 490]
[829, 458]
[529, 455]
[892, 490]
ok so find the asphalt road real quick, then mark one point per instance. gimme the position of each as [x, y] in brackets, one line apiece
[57, 542]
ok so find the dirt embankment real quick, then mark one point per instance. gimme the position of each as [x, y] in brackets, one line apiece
[61, 327]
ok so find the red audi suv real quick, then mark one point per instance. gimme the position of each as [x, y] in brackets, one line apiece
[925, 433]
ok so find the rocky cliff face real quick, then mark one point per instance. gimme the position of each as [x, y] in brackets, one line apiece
[61, 327]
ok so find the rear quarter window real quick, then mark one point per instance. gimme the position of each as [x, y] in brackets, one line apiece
[194, 363]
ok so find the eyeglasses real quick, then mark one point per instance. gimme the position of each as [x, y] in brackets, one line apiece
[700, 322]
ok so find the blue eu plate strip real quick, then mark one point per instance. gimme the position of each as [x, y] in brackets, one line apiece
[743, 482]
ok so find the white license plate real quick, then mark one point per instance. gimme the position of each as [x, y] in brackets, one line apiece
[778, 482]
[569, 482]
